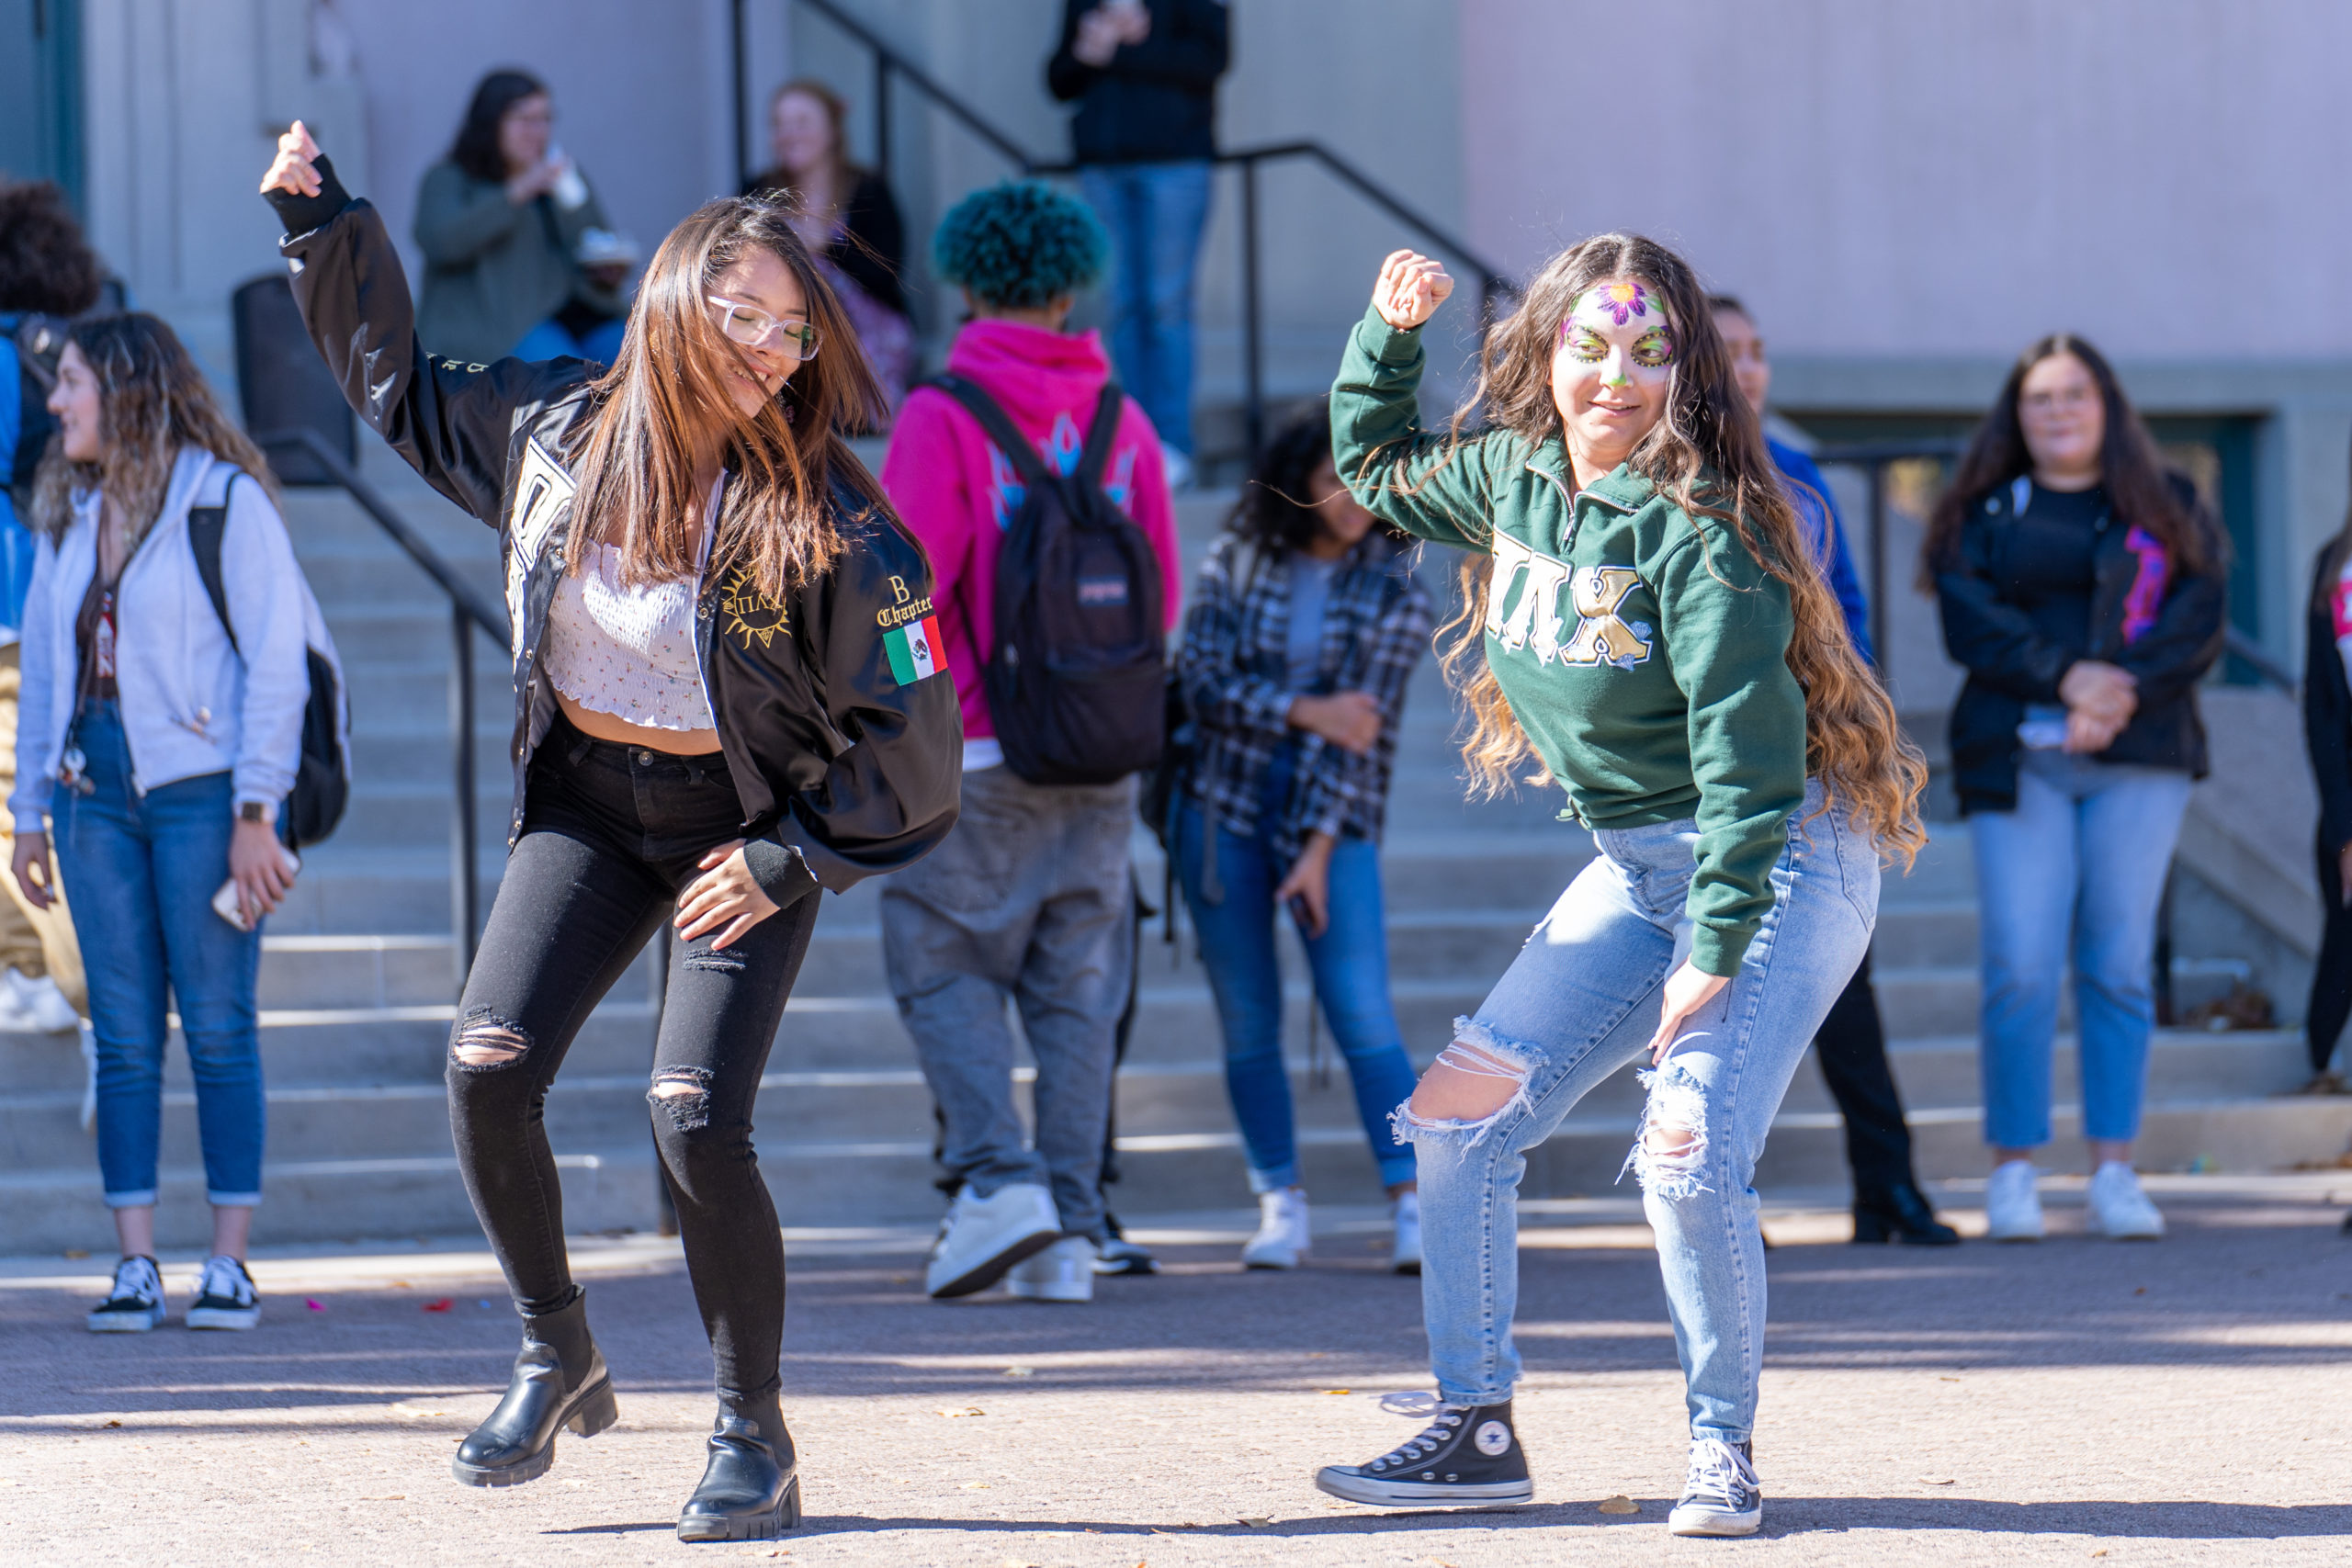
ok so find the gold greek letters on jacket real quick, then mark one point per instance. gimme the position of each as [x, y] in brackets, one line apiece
[750, 614]
[1531, 618]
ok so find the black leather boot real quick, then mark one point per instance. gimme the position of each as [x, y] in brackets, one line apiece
[750, 1489]
[559, 1381]
[1899, 1213]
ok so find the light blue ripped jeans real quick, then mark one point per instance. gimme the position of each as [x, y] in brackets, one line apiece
[1579, 1002]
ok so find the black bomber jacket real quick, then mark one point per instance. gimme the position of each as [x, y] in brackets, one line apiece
[842, 772]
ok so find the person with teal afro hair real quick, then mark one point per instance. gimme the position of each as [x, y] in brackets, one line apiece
[1021, 244]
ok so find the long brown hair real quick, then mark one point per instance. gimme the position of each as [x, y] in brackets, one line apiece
[1707, 455]
[152, 400]
[2139, 486]
[665, 399]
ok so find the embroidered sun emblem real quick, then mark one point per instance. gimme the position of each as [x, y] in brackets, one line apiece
[749, 613]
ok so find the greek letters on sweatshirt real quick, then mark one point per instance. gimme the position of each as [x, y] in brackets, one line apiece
[1645, 654]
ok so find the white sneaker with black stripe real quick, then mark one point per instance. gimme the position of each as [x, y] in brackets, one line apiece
[225, 1296]
[135, 1305]
[1721, 1496]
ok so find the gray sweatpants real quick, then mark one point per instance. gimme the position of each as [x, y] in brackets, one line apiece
[1028, 899]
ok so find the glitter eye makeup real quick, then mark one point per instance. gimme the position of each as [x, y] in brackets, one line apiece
[1654, 350]
[1588, 346]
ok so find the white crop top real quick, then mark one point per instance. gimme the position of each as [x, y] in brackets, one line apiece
[630, 651]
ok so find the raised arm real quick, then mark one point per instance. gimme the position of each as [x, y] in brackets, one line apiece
[452, 421]
[1429, 485]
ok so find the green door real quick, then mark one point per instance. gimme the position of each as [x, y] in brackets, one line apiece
[40, 98]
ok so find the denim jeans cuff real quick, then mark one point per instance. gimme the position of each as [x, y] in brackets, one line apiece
[1262, 1181]
[234, 1199]
[146, 1200]
[1460, 1393]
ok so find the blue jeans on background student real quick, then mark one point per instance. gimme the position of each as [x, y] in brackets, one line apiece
[1578, 1003]
[1154, 213]
[140, 873]
[1350, 962]
[2076, 870]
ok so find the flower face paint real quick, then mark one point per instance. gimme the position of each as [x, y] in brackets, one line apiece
[1612, 371]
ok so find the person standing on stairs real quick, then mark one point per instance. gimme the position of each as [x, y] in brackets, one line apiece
[2327, 737]
[719, 711]
[1303, 633]
[161, 746]
[1031, 899]
[1852, 1046]
[1644, 618]
[2084, 589]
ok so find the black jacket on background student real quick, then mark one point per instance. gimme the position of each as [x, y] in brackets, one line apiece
[842, 773]
[876, 251]
[2327, 731]
[1155, 101]
[2013, 664]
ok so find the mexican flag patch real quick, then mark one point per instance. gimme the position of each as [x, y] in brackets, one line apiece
[915, 650]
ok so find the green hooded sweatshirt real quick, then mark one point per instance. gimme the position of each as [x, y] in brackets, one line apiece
[1645, 654]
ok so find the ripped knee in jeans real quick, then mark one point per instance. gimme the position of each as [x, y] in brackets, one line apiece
[1473, 1085]
[1670, 1151]
[482, 1040]
[685, 1093]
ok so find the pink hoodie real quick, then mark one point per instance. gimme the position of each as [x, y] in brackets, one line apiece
[959, 493]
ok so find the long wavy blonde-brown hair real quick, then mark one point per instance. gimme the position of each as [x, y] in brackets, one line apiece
[152, 400]
[1707, 455]
[666, 399]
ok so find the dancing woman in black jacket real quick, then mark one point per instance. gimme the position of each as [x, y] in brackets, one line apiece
[710, 720]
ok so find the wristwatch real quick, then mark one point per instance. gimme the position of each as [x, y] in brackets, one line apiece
[259, 811]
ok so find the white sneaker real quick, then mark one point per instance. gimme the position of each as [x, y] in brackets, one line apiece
[135, 1305]
[1063, 1272]
[1720, 1495]
[1404, 1258]
[2012, 1207]
[2119, 1209]
[16, 1018]
[1178, 467]
[982, 1237]
[1282, 1238]
[225, 1296]
[47, 1006]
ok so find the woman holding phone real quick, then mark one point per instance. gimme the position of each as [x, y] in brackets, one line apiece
[161, 747]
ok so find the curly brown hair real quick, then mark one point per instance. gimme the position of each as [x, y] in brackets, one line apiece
[45, 264]
[1707, 455]
[152, 402]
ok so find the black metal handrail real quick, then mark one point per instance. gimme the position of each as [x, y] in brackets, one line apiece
[1493, 283]
[469, 612]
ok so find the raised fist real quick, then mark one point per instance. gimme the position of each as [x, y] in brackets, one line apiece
[1410, 288]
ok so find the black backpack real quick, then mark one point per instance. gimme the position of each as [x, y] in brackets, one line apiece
[1075, 680]
[322, 776]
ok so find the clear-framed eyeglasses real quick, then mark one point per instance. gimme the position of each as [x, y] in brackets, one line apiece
[756, 329]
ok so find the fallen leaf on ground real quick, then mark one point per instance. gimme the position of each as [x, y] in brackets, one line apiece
[314, 1304]
[2100, 1552]
[1937, 1480]
[968, 1410]
[1256, 1521]
[444, 1304]
[1339, 1391]
[400, 1285]
[1021, 1371]
[387, 1497]
[114, 1422]
[1620, 1504]
[971, 1486]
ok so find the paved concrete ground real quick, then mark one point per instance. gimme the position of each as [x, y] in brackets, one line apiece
[2177, 1403]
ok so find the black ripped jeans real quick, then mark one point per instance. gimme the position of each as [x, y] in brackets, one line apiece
[610, 835]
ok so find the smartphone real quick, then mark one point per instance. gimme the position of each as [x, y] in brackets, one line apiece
[226, 904]
[1302, 915]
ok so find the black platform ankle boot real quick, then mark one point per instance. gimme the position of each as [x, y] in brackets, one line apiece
[559, 1381]
[750, 1489]
[1899, 1212]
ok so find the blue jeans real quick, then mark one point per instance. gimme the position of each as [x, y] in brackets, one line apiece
[1154, 213]
[1580, 1001]
[140, 873]
[2078, 868]
[1350, 962]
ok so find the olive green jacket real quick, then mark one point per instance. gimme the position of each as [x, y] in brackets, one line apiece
[1645, 655]
[492, 270]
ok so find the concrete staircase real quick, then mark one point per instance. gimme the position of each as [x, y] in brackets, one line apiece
[357, 987]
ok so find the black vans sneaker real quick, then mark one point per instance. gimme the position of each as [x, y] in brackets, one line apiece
[1468, 1454]
[225, 1297]
[1722, 1496]
[136, 1303]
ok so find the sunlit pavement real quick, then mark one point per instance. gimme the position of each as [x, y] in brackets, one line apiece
[2179, 1401]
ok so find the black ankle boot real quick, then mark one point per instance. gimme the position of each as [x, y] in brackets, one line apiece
[559, 1381]
[750, 1489]
[1899, 1212]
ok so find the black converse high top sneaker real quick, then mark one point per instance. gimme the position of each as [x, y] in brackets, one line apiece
[1721, 1496]
[1467, 1454]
